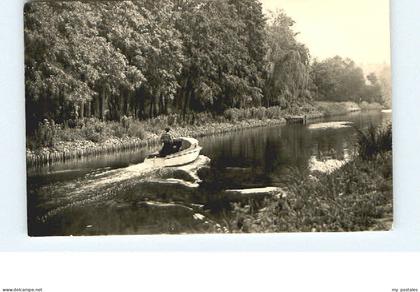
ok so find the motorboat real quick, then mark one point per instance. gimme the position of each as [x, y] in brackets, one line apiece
[188, 152]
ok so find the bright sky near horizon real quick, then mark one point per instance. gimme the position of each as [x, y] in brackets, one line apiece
[358, 29]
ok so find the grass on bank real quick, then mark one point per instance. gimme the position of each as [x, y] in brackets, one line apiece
[49, 134]
[356, 197]
[337, 108]
[342, 108]
[374, 142]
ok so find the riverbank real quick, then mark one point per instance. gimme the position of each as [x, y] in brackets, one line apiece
[55, 143]
[67, 150]
[356, 197]
[342, 108]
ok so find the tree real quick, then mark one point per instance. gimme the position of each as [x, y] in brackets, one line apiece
[55, 81]
[373, 91]
[68, 64]
[164, 57]
[288, 80]
[385, 81]
[215, 72]
[255, 38]
[338, 79]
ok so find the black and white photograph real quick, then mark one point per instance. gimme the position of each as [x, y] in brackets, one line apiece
[207, 117]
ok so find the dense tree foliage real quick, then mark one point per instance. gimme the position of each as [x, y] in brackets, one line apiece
[110, 59]
[288, 78]
[218, 70]
[385, 82]
[338, 79]
[142, 58]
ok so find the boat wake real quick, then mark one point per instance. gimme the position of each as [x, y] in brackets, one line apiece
[135, 181]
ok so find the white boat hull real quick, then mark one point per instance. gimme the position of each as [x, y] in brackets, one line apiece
[174, 160]
[180, 158]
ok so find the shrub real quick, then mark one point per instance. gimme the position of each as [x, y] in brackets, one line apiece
[126, 121]
[172, 119]
[246, 114]
[336, 108]
[119, 130]
[91, 134]
[95, 130]
[72, 123]
[374, 141]
[67, 134]
[259, 113]
[136, 130]
[370, 106]
[231, 114]
[203, 118]
[274, 112]
[156, 125]
[45, 135]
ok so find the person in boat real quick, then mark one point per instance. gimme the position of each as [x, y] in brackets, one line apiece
[167, 141]
[170, 145]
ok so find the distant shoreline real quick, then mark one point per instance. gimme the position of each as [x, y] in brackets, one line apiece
[70, 150]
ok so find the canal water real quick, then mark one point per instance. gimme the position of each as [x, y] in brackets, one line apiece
[115, 194]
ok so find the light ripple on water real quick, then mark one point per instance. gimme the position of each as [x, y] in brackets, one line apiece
[330, 125]
[327, 165]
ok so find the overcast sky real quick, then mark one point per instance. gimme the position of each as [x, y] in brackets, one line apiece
[358, 29]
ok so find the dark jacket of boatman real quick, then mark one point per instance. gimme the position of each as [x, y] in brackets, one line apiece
[166, 138]
[167, 141]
